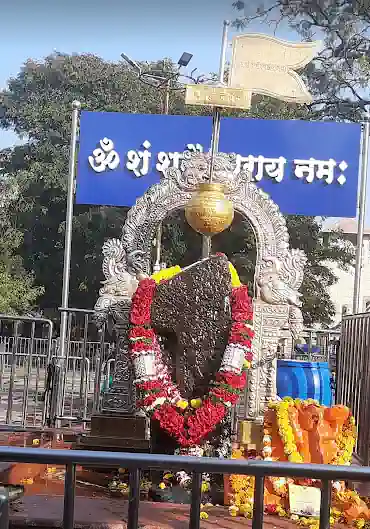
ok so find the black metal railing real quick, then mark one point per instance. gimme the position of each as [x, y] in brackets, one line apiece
[353, 377]
[137, 462]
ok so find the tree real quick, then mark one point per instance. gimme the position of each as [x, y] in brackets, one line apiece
[339, 76]
[37, 105]
[18, 293]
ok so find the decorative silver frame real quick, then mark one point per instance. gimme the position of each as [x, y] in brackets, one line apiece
[278, 271]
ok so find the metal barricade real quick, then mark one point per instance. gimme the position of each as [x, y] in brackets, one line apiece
[39, 388]
[23, 391]
[321, 345]
[353, 376]
[78, 376]
[195, 465]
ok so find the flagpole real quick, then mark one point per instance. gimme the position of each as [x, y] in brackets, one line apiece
[158, 237]
[361, 213]
[76, 106]
[206, 240]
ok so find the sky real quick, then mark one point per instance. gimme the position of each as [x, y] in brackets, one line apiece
[142, 29]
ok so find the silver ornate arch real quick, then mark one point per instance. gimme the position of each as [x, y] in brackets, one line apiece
[278, 272]
[175, 190]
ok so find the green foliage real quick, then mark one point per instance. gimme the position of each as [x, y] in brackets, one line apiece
[37, 105]
[17, 293]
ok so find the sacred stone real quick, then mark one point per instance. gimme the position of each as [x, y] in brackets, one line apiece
[191, 313]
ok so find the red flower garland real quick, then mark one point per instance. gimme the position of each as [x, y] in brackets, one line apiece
[159, 396]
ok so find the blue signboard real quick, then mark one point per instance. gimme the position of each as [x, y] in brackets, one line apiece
[308, 168]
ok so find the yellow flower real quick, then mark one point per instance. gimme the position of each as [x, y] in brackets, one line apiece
[182, 404]
[166, 274]
[205, 486]
[196, 403]
[245, 509]
[162, 485]
[235, 281]
[281, 512]
[203, 515]
[295, 458]
[359, 523]
[246, 364]
[233, 510]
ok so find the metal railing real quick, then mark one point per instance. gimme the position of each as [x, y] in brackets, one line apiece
[35, 387]
[32, 356]
[137, 462]
[17, 388]
[321, 346]
[77, 397]
[353, 376]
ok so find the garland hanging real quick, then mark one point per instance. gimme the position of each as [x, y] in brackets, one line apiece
[188, 423]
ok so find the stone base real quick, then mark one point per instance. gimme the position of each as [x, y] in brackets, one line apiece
[116, 433]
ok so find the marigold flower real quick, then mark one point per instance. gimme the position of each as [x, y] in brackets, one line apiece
[233, 510]
[205, 486]
[182, 404]
[196, 403]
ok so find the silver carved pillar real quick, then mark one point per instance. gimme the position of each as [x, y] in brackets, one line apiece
[121, 396]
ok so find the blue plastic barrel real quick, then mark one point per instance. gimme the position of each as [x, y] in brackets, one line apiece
[304, 380]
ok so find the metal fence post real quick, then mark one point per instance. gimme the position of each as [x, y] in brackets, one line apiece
[9, 411]
[4, 509]
[69, 496]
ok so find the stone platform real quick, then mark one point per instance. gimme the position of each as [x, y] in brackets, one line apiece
[116, 433]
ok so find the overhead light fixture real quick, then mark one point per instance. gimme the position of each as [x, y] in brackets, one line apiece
[184, 59]
[131, 62]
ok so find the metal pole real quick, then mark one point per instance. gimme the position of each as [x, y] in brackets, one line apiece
[158, 237]
[206, 241]
[76, 105]
[361, 213]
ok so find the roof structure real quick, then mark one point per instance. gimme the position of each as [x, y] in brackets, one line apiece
[344, 225]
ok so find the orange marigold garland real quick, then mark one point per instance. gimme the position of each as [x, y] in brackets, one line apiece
[242, 486]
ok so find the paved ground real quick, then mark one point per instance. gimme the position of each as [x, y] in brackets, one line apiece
[46, 512]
